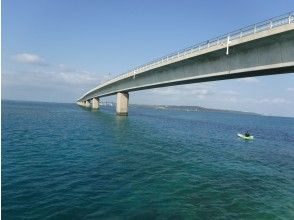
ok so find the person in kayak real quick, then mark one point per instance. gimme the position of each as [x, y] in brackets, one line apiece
[247, 134]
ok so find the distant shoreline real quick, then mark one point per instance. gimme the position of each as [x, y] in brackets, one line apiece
[187, 108]
[193, 108]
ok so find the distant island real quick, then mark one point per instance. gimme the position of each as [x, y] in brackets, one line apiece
[195, 109]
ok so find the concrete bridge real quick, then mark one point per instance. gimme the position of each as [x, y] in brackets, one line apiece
[264, 48]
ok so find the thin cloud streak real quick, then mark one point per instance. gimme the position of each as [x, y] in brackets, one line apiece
[184, 92]
[46, 78]
[249, 80]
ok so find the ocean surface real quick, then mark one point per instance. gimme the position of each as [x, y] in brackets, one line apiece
[61, 161]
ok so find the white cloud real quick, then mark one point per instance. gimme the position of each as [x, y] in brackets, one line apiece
[290, 89]
[230, 99]
[229, 92]
[28, 58]
[185, 91]
[248, 80]
[275, 101]
[55, 85]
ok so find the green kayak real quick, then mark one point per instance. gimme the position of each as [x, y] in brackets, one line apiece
[244, 137]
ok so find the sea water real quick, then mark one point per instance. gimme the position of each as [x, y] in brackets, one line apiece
[61, 161]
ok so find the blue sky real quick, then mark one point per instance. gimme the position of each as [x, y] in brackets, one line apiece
[55, 50]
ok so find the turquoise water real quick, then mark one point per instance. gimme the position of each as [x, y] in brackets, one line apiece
[60, 161]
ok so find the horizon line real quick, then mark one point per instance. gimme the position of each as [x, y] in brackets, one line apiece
[232, 110]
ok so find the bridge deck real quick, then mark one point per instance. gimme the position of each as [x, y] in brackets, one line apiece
[261, 49]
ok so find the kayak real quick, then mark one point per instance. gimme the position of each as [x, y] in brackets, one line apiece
[244, 137]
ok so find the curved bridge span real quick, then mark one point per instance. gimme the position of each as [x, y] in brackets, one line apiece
[265, 48]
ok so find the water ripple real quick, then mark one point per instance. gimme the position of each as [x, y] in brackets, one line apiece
[62, 162]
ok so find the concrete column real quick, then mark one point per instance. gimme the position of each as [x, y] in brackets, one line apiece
[95, 103]
[87, 103]
[122, 101]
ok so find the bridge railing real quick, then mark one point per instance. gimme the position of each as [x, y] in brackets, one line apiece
[223, 39]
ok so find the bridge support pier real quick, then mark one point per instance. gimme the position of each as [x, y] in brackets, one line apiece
[87, 104]
[122, 101]
[95, 103]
